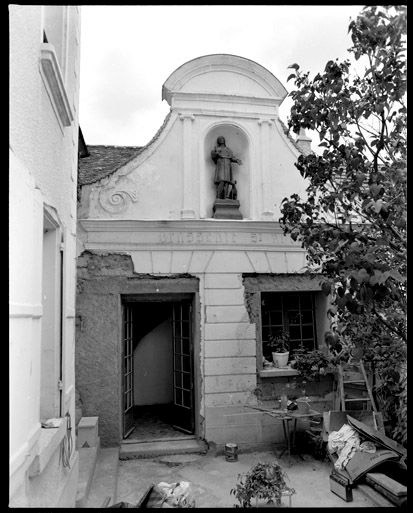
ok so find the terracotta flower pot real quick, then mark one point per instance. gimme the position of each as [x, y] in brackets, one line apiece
[280, 359]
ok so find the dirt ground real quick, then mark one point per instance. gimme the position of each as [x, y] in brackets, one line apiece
[212, 478]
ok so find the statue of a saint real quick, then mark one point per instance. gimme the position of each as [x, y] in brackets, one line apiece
[223, 158]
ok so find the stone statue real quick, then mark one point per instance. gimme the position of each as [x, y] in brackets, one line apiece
[223, 158]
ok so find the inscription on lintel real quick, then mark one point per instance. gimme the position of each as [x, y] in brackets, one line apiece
[183, 238]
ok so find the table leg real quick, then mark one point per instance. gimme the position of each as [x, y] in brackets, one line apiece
[285, 438]
[293, 439]
[286, 426]
[294, 431]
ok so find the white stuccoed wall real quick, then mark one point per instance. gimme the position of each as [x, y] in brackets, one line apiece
[173, 177]
[43, 170]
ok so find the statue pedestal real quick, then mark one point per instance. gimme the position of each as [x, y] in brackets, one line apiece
[226, 209]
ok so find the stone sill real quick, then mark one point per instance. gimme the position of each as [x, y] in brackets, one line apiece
[277, 373]
[49, 441]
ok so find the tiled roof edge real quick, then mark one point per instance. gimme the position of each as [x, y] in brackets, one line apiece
[139, 151]
[287, 133]
[110, 172]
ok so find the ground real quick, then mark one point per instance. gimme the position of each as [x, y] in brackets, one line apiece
[212, 478]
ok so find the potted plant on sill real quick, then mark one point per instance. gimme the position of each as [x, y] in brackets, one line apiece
[279, 345]
[263, 482]
[312, 364]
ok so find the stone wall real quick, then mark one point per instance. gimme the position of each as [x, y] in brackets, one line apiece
[231, 261]
[102, 278]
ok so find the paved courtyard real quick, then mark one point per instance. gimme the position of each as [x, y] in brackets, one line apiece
[212, 478]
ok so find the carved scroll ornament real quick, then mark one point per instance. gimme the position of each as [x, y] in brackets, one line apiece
[116, 200]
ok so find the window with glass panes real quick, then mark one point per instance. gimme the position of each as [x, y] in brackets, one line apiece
[292, 312]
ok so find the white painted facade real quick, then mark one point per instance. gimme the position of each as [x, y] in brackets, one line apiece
[44, 91]
[172, 178]
[158, 209]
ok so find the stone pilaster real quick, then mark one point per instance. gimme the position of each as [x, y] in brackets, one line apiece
[187, 211]
[267, 209]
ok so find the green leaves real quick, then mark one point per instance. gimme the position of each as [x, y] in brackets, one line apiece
[264, 481]
[354, 229]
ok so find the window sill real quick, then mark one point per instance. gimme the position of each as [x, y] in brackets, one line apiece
[278, 373]
[49, 441]
[52, 77]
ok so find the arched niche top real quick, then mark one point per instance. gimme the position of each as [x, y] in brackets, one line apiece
[223, 74]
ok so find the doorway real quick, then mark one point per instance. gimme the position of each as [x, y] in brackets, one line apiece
[158, 367]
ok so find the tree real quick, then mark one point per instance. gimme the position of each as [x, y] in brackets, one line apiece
[353, 220]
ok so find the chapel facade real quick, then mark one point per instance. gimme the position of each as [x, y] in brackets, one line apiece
[183, 270]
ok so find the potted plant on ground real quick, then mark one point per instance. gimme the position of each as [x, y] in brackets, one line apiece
[265, 482]
[279, 345]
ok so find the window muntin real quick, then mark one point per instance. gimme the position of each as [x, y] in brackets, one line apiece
[293, 312]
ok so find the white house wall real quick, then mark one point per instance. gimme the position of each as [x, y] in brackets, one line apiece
[43, 172]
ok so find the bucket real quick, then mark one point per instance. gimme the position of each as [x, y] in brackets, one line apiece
[303, 406]
[231, 452]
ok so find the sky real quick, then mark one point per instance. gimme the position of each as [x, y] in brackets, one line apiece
[128, 52]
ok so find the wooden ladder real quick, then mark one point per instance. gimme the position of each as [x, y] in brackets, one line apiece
[354, 374]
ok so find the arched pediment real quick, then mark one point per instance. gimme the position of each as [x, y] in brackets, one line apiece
[223, 74]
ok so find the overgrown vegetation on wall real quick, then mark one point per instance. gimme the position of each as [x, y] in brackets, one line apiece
[353, 220]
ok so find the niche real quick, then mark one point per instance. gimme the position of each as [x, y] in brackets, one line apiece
[237, 141]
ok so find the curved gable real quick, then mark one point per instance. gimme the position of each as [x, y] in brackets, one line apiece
[223, 74]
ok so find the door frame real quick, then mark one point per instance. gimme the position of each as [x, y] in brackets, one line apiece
[190, 291]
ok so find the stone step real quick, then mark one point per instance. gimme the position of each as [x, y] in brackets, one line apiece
[87, 464]
[161, 448]
[87, 432]
[105, 478]
[377, 498]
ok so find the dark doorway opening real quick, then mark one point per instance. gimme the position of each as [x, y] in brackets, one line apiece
[157, 361]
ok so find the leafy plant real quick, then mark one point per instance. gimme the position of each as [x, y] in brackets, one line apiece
[279, 343]
[312, 364]
[264, 481]
[353, 219]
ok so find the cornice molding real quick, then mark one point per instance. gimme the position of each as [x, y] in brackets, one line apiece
[226, 98]
[150, 225]
[188, 234]
[222, 62]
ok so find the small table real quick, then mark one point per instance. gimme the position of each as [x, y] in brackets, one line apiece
[286, 417]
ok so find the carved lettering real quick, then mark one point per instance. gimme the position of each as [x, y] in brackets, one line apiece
[206, 238]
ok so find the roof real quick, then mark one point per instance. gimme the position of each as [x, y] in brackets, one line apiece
[104, 161]
[83, 151]
[290, 138]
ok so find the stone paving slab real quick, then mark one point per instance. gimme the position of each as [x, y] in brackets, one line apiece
[105, 478]
[212, 477]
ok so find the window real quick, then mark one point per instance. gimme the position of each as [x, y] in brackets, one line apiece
[290, 311]
[51, 342]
